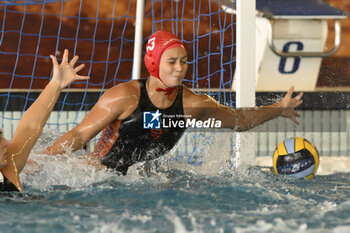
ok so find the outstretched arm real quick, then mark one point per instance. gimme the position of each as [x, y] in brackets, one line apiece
[34, 119]
[247, 118]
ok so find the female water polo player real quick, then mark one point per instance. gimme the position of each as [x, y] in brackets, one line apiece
[129, 113]
[14, 154]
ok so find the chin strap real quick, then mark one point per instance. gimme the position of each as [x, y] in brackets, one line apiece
[168, 91]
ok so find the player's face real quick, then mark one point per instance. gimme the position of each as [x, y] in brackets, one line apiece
[173, 66]
[3, 150]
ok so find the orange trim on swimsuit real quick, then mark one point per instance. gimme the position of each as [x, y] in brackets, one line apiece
[108, 137]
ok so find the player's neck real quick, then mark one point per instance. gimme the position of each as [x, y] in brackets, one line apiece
[160, 95]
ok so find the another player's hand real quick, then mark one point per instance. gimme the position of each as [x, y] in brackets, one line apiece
[65, 73]
[288, 105]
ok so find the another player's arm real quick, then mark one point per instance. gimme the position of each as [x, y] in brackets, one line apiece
[33, 120]
[114, 104]
[204, 107]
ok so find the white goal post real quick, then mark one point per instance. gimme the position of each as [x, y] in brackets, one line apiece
[245, 75]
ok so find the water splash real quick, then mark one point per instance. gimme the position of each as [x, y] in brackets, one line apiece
[71, 170]
[197, 153]
[74, 170]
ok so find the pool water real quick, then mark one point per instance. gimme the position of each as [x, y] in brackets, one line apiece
[64, 194]
[176, 201]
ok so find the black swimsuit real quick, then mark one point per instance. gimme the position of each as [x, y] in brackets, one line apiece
[124, 143]
[6, 185]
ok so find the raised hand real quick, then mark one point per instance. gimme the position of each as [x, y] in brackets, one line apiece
[65, 73]
[288, 104]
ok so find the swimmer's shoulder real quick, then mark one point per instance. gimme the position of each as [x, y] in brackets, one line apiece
[128, 92]
[127, 88]
[122, 99]
[192, 100]
[197, 105]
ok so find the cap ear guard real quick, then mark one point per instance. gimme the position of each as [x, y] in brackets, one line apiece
[155, 47]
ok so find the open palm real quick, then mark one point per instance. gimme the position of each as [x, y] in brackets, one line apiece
[288, 104]
[65, 73]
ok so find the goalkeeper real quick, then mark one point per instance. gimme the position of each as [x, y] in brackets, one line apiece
[129, 113]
